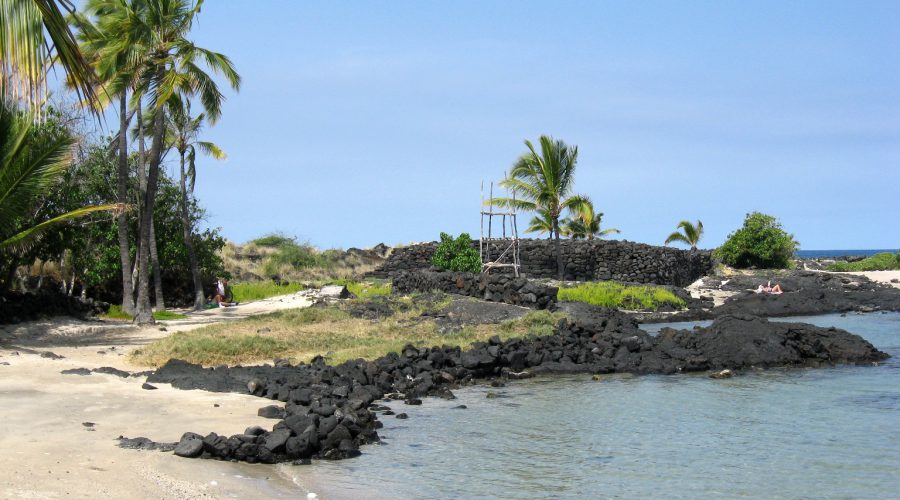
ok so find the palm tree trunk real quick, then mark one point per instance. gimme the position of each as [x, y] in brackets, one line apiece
[154, 255]
[144, 314]
[40, 282]
[559, 260]
[199, 297]
[122, 197]
[157, 271]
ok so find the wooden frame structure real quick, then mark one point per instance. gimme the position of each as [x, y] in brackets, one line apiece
[507, 243]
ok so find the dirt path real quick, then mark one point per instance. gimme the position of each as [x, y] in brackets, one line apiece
[51, 453]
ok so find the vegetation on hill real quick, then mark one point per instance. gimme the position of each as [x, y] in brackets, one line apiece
[760, 243]
[885, 261]
[285, 258]
[619, 296]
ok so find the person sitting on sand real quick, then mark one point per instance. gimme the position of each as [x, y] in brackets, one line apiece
[223, 294]
[769, 289]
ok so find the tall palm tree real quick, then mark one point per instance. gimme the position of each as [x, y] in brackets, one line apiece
[543, 182]
[34, 33]
[691, 234]
[116, 59]
[184, 131]
[29, 165]
[585, 223]
[173, 67]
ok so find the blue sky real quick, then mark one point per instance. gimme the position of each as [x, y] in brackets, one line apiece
[367, 122]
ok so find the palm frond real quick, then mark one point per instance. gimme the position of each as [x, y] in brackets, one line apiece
[22, 240]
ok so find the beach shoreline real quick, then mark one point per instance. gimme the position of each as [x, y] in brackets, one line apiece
[52, 453]
[55, 454]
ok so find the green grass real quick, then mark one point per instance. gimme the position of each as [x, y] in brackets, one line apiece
[879, 262]
[257, 290]
[301, 334]
[616, 295]
[116, 312]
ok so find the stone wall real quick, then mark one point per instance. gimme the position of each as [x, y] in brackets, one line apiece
[584, 260]
[493, 287]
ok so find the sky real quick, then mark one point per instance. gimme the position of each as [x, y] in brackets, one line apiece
[367, 122]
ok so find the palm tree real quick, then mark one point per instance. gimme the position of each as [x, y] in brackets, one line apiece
[115, 58]
[542, 223]
[691, 235]
[33, 34]
[173, 66]
[543, 182]
[184, 130]
[29, 165]
[586, 223]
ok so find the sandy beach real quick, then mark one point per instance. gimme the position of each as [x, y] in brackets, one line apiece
[51, 452]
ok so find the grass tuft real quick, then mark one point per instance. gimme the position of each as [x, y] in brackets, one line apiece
[619, 296]
[885, 261]
[116, 312]
[258, 290]
[365, 289]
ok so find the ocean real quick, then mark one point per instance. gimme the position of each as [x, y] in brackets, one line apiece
[780, 433]
[822, 254]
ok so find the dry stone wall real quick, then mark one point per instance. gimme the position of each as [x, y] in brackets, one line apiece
[492, 287]
[584, 260]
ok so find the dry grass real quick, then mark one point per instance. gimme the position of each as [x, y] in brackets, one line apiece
[261, 261]
[301, 334]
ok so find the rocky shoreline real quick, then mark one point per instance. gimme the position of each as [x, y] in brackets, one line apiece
[806, 293]
[330, 411]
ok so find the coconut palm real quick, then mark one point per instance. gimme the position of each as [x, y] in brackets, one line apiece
[174, 66]
[183, 131]
[585, 223]
[29, 164]
[34, 34]
[690, 236]
[542, 182]
[116, 58]
[541, 223]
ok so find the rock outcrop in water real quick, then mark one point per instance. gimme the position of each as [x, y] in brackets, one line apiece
[329, 410]
[807, 293]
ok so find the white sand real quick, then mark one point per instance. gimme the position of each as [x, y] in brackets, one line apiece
[48, 453]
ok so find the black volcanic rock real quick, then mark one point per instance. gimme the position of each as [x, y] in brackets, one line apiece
[329, 410]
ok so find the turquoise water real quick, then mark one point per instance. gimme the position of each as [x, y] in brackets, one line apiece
[817, 254]
[824, 433]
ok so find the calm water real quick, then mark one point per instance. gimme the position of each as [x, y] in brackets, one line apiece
[831, 433]
[821, 254]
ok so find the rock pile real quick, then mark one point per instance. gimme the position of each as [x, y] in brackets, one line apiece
[17, 307]
[491, 287]
[330, 411]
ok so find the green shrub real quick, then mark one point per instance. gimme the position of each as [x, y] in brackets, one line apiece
[292, 256]
[457, 254]
[616, 295]
[760, 243]
[274, 240]
[879, 262]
